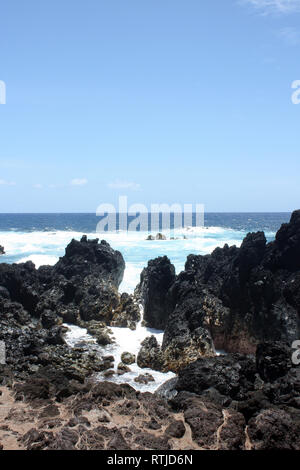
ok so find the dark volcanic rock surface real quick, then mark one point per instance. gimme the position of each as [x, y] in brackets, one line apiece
[89, 257]
[82, 288]
[156, 279]
[232, 376]
[83, 284]
[150, 355]
[233, 299]
[221, 404]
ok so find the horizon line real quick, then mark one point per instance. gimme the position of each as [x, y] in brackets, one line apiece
[93, 213]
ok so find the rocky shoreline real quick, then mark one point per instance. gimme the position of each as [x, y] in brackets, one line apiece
[244, 301]
[232, 300]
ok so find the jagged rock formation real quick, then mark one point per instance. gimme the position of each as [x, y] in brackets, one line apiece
[127, 314]
[231, 376]
[83, 285]
[150, 355]
[82, 288]
[155, 282]
[233, 299]
[265, 391]
[2, 252]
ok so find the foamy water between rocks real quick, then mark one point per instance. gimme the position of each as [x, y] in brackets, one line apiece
[126, 340]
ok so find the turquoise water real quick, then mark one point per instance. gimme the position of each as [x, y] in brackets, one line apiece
[42, 238]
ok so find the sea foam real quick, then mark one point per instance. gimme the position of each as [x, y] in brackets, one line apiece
[44, 247]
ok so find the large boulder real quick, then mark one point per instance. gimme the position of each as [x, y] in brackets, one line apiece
[2, 252]
[22, 283]
[127, 314]
[250, 253]
[89, 257]
[232, 376]
[186, 347]
[83, 285]
[284, 252]
[156, 279]
[150, 355]
[273, 360]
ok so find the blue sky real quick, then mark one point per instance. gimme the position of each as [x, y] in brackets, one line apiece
[164, 101]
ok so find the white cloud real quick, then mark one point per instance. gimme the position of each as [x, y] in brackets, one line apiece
[7, 183]
[275, 6]
[38, 186]
[290, 35]
[79, 182]
[124, 185]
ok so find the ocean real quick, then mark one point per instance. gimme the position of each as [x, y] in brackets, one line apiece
[42, 238]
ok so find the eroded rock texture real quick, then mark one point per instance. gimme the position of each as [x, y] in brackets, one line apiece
[222, 403]
[232, 300]
[82, 288]
[155, 282]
